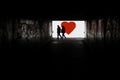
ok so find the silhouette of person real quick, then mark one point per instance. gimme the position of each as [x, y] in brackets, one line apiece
[63, 32]
[58, 32]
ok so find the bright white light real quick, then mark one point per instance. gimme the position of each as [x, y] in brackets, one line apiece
[78, 32]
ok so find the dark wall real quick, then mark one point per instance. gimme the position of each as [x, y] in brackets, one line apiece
[27, 30]
[18, 30]
[106, 29]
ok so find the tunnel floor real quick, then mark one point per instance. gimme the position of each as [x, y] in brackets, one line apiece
[68, 55]
[58, 58]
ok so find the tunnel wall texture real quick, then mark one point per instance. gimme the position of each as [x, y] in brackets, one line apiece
[23, 31]
[26, 31]
[107, 29]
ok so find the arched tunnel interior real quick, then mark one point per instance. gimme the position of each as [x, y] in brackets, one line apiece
[28, 44]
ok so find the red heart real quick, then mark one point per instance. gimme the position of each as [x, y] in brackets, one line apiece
[69, 26]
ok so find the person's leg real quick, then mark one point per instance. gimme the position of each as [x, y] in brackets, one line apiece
[57, 36]
[60, 36]
[64, 35]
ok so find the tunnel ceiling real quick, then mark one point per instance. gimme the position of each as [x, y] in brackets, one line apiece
[59, 12]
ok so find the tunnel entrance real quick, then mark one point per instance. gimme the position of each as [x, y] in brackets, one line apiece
[73, 28]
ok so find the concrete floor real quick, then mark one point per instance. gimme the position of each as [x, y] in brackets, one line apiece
[68, 55]
[55, 58]
[60, 58]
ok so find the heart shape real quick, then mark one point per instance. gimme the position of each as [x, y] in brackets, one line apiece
[69, 26]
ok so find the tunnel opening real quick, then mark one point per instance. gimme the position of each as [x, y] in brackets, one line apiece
[73, 28]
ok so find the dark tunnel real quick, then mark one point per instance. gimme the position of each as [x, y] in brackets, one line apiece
[27, 45]
[28, 49]
[15, 31]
